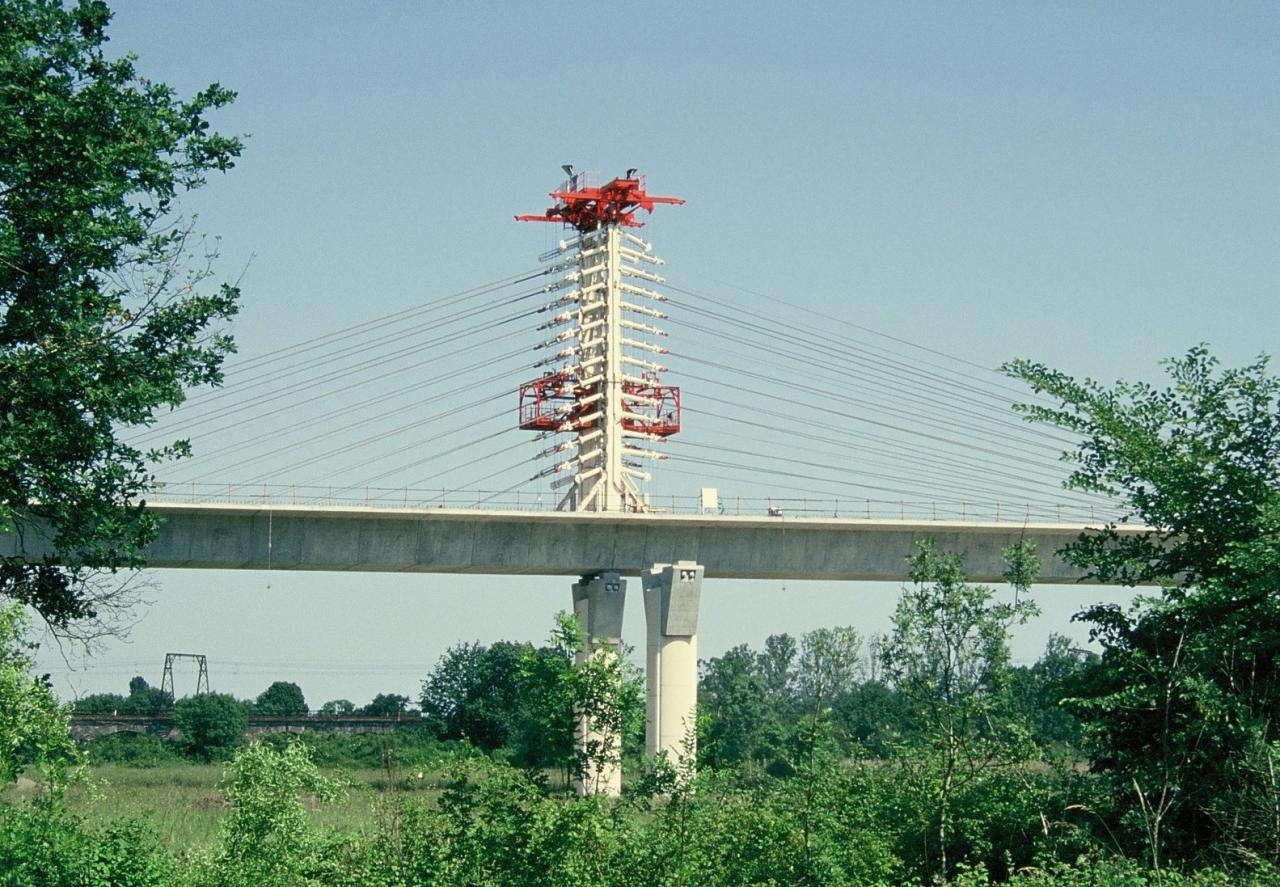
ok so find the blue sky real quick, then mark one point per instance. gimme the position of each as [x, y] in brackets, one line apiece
[1091, 185]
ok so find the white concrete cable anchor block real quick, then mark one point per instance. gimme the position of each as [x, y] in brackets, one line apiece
[671, 596]
[598, 605]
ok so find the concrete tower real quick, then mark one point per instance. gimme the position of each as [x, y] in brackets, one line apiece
[602, 382]
[601, 387]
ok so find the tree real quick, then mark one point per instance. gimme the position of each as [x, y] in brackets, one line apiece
[948, 656]
[742, 725]
[829, 667]
[100, 704]
[875, 716]
[1198, 463]
[211, 724]
[1181, 709]
[282, 699]
[267, 837]
[599, 697]
[776, 668]
[145, 699]
[753, 702]
[105, 312]
[32, 726]
[543, 724]
[385, 705]
[1036, 692]
[474, 692]
[340, 706]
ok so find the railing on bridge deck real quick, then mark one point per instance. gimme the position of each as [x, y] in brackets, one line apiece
[750, 506]
[87, 726]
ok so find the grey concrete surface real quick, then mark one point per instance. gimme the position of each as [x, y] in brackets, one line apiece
[283, 537]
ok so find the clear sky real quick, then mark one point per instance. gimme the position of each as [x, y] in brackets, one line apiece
[1092, 185]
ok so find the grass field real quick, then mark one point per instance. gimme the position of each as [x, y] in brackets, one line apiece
[184, 803]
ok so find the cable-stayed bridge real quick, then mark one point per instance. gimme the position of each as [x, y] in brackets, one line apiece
[783, 408]
[548, 422]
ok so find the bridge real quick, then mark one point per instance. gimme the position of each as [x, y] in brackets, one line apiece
[817, 448]
[555, 543]
[85, 727]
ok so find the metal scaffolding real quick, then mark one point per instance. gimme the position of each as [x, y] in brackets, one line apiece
[602, 383]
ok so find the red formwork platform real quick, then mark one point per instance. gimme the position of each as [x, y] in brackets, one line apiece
[555, 402]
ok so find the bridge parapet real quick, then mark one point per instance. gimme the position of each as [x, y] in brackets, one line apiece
[790, 507]
[85, 727]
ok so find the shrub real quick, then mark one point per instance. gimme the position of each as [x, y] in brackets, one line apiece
[99, 704]
[40, 844]
[131, 750]
[406, 747]
[211, 724]
[267, 838]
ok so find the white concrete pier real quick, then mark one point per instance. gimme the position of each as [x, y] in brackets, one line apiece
[672, 594]
[598, 606]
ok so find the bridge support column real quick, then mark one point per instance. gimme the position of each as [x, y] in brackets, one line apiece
[671, 596]
[597, 605]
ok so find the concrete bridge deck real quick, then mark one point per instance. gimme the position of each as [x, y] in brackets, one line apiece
[342, 538]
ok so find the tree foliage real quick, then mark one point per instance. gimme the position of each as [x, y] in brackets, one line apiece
[522, 699]
[740, 722]
[753, 702]
[281, 699]
[33, 728]
[212, 724]
[105, 315]
[385, 705]
[474, 693]
[268, 838]
[143, 699]
[1181, 710]
[1198, 462]
[1036, 692]
[338, 707]
[948, 655]
[42, 845]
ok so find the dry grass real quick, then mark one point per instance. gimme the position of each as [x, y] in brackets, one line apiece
[185, 804]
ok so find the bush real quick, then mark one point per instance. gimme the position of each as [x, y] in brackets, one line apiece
[99, 704]
[267, 838]
[132, 750]
[40, 844]
[211, 724]
[409, 747]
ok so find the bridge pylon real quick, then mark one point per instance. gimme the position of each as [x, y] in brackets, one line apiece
[601, 382]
